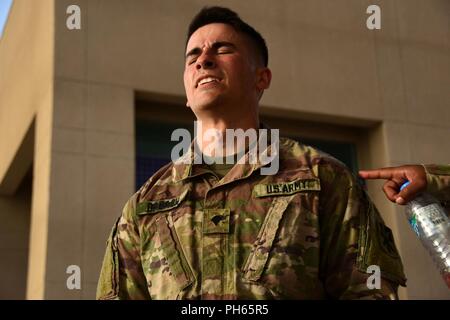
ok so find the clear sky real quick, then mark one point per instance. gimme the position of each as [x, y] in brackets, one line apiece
[4, 9]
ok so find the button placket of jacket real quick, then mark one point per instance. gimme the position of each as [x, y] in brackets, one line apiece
[213, 258]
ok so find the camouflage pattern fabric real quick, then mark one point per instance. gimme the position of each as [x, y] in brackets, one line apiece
[438, 182]
[307, 232]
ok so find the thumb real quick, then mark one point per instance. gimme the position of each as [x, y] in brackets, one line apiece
[408, 193]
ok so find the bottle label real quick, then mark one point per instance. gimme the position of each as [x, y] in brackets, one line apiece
[429, 219]
[413, 222]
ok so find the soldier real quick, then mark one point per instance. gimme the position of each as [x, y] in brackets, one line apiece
[220, 231]
[434, 179]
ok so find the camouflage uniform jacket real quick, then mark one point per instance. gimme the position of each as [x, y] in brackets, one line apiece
[438, 182]
[307, 232]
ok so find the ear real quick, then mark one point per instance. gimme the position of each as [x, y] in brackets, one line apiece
[264, 76]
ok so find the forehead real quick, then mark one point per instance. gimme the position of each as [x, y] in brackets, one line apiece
[214, 32]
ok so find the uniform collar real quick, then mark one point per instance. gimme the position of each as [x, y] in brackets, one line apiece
[190, 165]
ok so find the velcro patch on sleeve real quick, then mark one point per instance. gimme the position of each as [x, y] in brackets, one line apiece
[286, 188]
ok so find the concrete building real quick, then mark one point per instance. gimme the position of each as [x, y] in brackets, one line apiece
[77, 107]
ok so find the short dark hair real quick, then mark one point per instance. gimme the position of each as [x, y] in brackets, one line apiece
[224, 15]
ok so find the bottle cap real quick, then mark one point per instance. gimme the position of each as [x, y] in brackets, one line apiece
[404, 185]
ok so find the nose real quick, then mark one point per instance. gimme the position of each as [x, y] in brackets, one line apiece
[205, 61]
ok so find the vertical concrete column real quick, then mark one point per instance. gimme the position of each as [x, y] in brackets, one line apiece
[26, 82]
[92, 155]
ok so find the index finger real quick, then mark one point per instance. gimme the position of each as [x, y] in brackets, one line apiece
[383, 173]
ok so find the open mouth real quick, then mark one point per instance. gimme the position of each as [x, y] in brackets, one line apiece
[207, 81]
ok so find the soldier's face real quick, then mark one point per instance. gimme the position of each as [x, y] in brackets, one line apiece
[220, 68]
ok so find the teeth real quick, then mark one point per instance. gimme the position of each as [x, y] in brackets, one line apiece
[206, 80]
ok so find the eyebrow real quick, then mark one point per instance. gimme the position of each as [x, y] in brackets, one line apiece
[215, 45]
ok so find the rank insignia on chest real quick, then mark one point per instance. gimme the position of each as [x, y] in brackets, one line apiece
[216, 221]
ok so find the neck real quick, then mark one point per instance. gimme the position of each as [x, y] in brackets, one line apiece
[211, 134]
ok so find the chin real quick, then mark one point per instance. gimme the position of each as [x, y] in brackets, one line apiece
[208, 104]
[205, 107]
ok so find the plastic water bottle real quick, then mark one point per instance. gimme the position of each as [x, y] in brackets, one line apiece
[430, 222]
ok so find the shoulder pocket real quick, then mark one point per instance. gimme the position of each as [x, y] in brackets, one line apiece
[108, 284]
[377, 247]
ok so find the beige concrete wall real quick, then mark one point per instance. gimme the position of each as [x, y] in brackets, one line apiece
[325, 63]
[26, 93]
[15, 212]
[93, 156]
[19, 94]
[413, 64]
[92, 177]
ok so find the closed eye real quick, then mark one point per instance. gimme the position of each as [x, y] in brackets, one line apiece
[192, 55]
[191, 61]
[220, 47]
[224, 51]
[224, 47]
